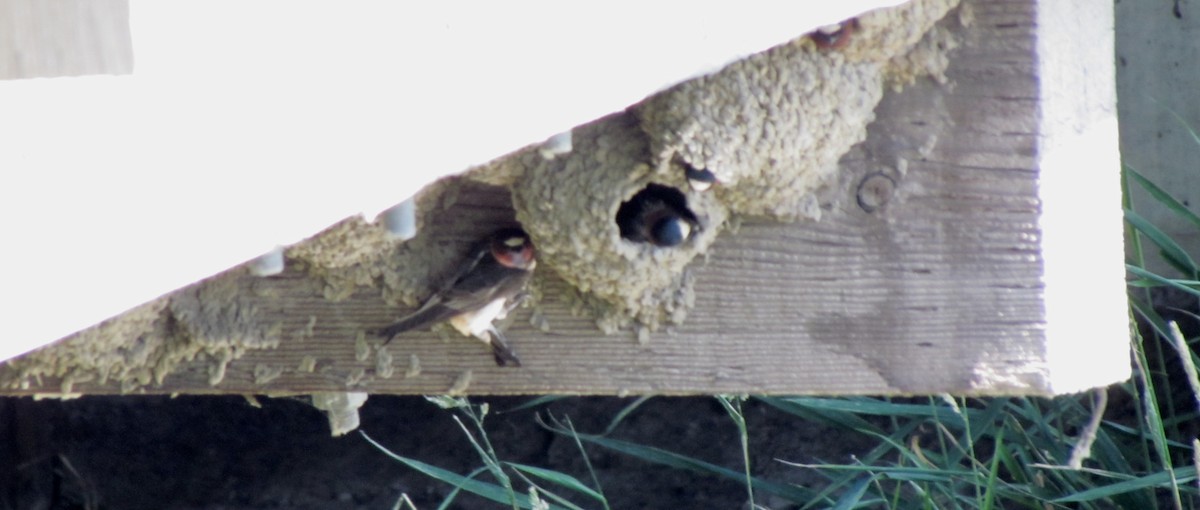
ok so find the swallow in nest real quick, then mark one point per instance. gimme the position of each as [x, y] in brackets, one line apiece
[657, 215]
[488, 286]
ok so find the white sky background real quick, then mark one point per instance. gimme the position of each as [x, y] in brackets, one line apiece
[252, 124]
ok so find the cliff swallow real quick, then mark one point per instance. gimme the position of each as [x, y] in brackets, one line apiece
[834, 36]
[657, 215]
[484, 290]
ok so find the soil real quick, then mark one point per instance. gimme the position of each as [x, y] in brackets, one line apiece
[222, 453]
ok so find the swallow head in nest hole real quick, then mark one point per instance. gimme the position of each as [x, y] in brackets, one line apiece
[658, 215]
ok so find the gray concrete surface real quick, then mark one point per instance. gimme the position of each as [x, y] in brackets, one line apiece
[1158, 76]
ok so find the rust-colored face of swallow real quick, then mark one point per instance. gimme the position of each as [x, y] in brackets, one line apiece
[515, 251]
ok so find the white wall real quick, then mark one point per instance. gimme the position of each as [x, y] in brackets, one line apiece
[254, 123]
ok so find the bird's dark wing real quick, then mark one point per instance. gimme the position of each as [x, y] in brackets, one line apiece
[434, 309]
[429, 314]
[479, 252]
[489, 281]
[478, 283]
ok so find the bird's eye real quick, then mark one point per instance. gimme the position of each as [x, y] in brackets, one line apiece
[514, 242]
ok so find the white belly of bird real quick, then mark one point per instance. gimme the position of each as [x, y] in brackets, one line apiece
[477, 324]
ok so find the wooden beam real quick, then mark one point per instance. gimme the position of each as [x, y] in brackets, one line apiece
[923, 274]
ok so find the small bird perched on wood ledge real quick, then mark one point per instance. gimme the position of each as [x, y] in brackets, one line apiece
[486, 288]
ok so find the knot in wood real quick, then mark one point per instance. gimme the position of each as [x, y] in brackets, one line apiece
[874, 190]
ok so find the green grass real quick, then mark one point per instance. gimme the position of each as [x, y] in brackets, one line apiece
[936, 452]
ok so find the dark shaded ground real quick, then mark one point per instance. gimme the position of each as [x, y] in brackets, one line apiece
[222, 453]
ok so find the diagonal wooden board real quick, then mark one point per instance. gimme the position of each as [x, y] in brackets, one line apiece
[923, 276]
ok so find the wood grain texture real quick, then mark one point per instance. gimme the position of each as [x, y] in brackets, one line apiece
[938, 289]
[64, 38]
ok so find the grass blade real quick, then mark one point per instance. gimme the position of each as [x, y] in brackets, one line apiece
[488, 456]
[536, 493]
[819, 410]
[449, 499]
[1149, 482]
[586, 462]
[612, 425]
[989, 492]
[1153, 416]
[733, 407]
[482, 489]
[534, 402]
[1161, 279]
[557, 478]
[854, 495]
[896, 472]
[1170, 249]
[1163, 197]
[677, 461]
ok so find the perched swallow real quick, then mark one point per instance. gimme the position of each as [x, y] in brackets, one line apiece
[657, 215]
[700, 179]
[486, 289]
[834, 36]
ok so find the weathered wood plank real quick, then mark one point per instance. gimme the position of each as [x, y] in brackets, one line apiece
[936, 289]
